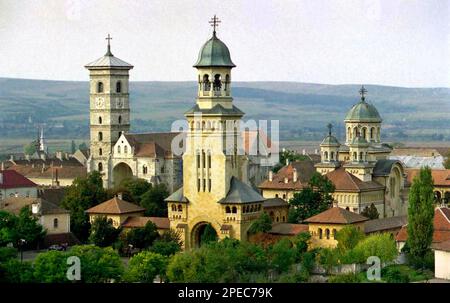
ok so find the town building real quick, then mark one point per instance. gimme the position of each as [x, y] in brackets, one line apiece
[442, 260]
[441, 181]
[13, 184]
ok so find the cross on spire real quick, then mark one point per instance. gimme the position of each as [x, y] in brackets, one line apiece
[108, 52]
[214, 23]
[363, 92]
[329, 126]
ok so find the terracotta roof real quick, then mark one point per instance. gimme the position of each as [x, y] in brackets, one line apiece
[49, 172]
[15, 204]
[275, 202]
[345, 181]
[378, 225]
[115, 206]
[337, 215]
[441, 223]
[152, 144]
[12, 179]
[445, 246]
[305, 169]
[160, 222]
[441, 177]
[288, 229]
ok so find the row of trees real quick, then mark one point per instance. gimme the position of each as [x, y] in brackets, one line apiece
[87, 192]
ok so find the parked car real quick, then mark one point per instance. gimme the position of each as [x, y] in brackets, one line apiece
[58, 247]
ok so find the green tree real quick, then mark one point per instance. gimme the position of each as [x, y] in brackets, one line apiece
[291, 156]
[301, 242]
[312, 200]
[420, 217]
[82, 146]
[145, 267]
[348, 237]
[208, 235]
[28, 228]
[142, 237]
[136, 187]
[83, 194]
[282, 255]
[30, 148]
[8, 233]
[165, 248]
[370, 212]
[261, 225]
[103, 233]
[14, 271]
[98, 265]
[153, 201]
[380, 245]
[51, 267]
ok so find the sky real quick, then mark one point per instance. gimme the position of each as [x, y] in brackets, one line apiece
[393, 42]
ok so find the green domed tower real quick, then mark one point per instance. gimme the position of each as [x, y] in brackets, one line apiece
[364, 116]
[329, 151]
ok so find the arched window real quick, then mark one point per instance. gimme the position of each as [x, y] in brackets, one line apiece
[327, 234]
[99, 120]
[198, 159]
[120, 119]
[209, 159]
[118, 87]
[284, 196]
[100, 166]
[227, 82]
[100, 136]
[100, 151]
[355, 156]
[361, 157]
[125, 149]
[364, 133]
[206, 83]
[100, 87]
[227, 210]
[334, 233]
[174, 208]
[55, 223]
[278, 219]
[320, 233]
[144, 169]
[349, 133]
[180, 208]
[372, 133]
[118, 149]
[326, 156]
[217, 85]
[234, 210]
[332, 156]
[272, 215]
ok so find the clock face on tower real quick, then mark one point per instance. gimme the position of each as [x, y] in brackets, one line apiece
[119, 103]
[99, 102]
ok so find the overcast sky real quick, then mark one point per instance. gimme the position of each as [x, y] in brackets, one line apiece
[392, 42]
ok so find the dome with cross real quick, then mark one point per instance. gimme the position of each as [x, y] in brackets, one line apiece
[363, 111]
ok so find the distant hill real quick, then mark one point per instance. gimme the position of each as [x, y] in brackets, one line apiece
[303, 109]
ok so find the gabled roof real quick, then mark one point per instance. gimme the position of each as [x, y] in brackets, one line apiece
[115, 206]
[383, 167]
[134, 222]
[345, 181]
[337, 215]
[305, 169]
[441, 177]
[378, 225]
[218, 109]
[177, 196]
[15, 204]
[275, 202]
[12, 179]
[152, 144]
[241, 193]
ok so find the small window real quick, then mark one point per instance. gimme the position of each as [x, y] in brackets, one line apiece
[100, 120]
[334, 233]
[55, 223]
[327, 233]
[180, 208]
[100, 136]
[120, 119]
[100, 152]
[174, 208]
[100, 166]
[227, 210]
[118, 87]
[320, 233]
[144, 170]
[118, 149]
[234, 210]
[125, 149]
[100, 87]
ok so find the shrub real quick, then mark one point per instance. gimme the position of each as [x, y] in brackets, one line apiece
[14, 271]
[348, 237]
[345, 278]
[145, 266]
[7, 253]
[380, 245]
[394, 275]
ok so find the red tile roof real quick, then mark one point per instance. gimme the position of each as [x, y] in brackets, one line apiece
[133, 222]
[115, 206]
[337, 215]
[345, 181]
[305, 169]
[12, 179]
[288, 229]
[441, 177]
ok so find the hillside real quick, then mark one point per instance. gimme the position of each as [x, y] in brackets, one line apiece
[303, 109]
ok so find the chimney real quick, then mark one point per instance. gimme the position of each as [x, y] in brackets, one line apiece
[286, 180]
[119, 195]
[294, 177]
[59, 155]
[270, 175]
[287, 161]
[3, 166]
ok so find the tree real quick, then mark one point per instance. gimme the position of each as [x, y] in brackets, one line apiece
[153, 201]
[301, 242]
[312, 200]
[209, 235]
[83, 194]
[51, 267]
[420, 217]
[98, 265]
[145, 266]
[8, 232]
[30, 148]
[379, 245]
[370, 212]
[136, 187]
[142, 237]
[165, 248]
[82, 146]
[14, 271]
[73, 147]
[282, 255]
[28, 228]
[348, 237]
[261, 225]
[103, 233]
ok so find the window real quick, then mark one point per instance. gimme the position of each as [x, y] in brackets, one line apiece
[120, 119]
[227, 82]
[174, 208]
[180, 208]
[198, 184]
[100, 136]
[144, 170]
[334, 233]
[284, 196]
[118, 149]
[209, 160]
[206, 83]
[320, 233]
[203, 159]
[100, 166]
[125, 149]
[118, 87]
[28, 194]
[100, 87]
[55, 223]
[284, 219]
[209, 185]
[100, 152]
[99, 120]
[227, 210]
[198, 160]
[204, 184]
[327, 233]
[234, 210]
[217, 86]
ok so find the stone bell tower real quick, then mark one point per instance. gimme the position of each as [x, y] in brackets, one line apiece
[109, 108]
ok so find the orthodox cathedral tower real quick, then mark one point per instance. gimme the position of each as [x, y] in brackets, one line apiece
[215, 193]
[109, 108]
